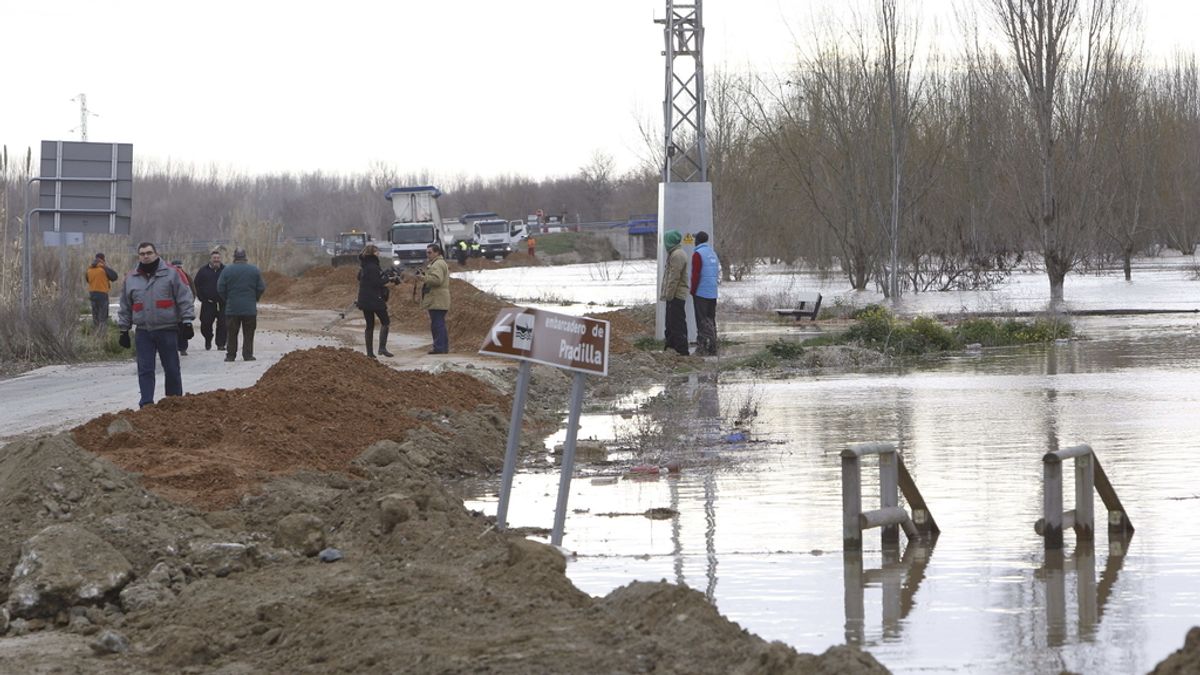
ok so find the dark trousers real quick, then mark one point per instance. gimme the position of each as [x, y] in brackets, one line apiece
[164, 343]
[369, 315]
[99, 309]
[246, 325]
[706, 324]
[675, 332]
[437, 326]
[213, 311]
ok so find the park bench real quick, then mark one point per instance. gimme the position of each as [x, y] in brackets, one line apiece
[807, 305]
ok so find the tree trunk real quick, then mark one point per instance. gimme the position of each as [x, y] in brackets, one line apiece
[1128, 255]
[1056, 271]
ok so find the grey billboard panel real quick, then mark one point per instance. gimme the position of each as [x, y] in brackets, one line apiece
[80, 176]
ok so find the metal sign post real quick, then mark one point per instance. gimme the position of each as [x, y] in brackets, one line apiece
[579, 344]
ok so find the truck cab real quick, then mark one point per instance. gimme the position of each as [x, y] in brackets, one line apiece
[493, 237]
[417, 224]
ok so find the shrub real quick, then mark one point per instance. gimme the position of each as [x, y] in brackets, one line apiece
[785, 349]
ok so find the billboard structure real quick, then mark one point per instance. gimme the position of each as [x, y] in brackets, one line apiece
[84, 188]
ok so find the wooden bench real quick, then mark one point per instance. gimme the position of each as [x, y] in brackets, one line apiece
[808, 304]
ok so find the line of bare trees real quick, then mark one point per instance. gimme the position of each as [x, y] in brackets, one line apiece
[1046, 139]
[1061, 147]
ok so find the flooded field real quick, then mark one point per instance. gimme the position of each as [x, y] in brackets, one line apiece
[757, 523]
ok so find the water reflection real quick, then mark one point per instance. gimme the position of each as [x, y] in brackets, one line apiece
[1090, 598]
[899, 578]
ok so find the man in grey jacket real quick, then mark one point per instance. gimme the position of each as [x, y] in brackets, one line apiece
[158, 300]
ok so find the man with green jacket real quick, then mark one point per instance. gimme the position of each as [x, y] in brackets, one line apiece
[435, 297]
[240, 286]
[674, 293]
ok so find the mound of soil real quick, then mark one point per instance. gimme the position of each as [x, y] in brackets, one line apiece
[471, 310]
[424, 586]
[315, 409]
[1183, 660]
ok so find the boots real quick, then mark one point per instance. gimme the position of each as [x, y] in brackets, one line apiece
[383, 331]
[370, 337]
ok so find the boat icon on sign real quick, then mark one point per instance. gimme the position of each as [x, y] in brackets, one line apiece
[523, 331]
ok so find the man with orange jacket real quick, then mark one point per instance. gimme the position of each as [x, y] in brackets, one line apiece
[99, 280]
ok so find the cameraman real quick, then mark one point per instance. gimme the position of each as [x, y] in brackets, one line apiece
[373, 297]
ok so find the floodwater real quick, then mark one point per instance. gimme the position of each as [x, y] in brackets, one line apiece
[758, 524]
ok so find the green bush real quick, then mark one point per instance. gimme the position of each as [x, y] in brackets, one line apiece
[785, 349]
[877, 328]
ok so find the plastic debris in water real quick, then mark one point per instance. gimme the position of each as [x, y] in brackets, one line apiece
[329, 555]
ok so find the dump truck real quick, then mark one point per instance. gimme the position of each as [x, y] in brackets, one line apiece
[417, 224]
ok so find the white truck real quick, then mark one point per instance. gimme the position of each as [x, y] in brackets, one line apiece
[493, 236]
[417, 224]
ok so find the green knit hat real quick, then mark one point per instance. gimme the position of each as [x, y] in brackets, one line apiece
[672, 238]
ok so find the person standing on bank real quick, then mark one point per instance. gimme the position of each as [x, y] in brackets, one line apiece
[212, 307]
[158, 300]
[706, 272]
[99, 280]
[435, 297]
[240, 286]
[372, 299]
[675, 293]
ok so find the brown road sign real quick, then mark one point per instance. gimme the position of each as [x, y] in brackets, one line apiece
[560, 340]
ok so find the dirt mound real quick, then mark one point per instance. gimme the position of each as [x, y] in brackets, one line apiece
[51, 480]
[318, 288]
[315, 409]
[627, 326]
[471, 314]
[1183, 660]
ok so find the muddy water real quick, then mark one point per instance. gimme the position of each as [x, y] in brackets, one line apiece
[759, 521]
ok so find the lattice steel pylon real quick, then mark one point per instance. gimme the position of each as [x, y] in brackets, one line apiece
[685, 155]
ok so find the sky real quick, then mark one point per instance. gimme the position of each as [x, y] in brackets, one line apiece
[452, 88]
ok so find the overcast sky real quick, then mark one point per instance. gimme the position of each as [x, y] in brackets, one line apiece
[454, 87]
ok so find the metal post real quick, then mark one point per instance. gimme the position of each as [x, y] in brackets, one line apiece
[888, 494]
[514, 440]
[568, 459]
[851, 501]
[1085, 493]
[1052, 502]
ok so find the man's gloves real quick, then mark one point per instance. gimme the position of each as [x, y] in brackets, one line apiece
[124, 339]
[186, 332]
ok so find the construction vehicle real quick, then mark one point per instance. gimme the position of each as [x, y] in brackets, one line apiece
[493, 237]
[418, 223]
[347, 246]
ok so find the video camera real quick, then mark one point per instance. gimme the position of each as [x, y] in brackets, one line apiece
[392, 275]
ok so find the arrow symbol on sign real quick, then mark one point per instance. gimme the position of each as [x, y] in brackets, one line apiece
[499, 328]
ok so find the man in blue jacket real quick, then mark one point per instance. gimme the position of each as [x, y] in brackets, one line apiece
[706, 272]
[240, 286]
[158, 300]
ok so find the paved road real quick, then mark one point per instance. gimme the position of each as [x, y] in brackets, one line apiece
[60, 397]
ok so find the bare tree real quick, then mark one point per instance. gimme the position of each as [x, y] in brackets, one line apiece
[1042, 36]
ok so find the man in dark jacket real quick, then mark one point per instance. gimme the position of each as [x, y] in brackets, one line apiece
[240, 286]
[212, 307]
[158, 300]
